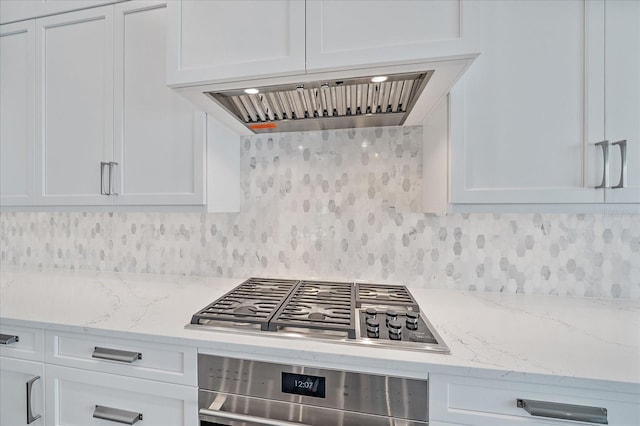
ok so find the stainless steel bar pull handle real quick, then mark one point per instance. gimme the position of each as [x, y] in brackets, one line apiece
[112, 164]
[554, 410]
[102, 191]
[30, 417]
[7, 339]
[115, 355]
[605, 170]
[244, 419]
[623, 163]
[116, 415]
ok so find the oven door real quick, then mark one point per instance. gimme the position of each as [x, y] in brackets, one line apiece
[218, 408]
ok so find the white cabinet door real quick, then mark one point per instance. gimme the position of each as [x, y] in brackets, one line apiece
[16, 376]
[519, 120]
[234, 40]
[160, 139]
[73, 395]
[622, 95]
[17, 120]
[355, 33]
[74, 105]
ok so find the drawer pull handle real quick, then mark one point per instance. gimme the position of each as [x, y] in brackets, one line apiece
[605, 169]
[116, 415]
[7, 339]
[111, 166]
[554, 410]
[102, 191]
[115, 355]
[30, 417]
[623, 161]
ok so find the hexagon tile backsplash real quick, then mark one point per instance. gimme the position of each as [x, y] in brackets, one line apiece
[342, 204]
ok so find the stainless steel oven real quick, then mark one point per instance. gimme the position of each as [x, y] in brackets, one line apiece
[237, 392]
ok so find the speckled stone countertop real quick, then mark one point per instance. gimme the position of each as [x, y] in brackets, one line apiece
[548, 339]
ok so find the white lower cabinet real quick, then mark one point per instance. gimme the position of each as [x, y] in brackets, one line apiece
[92, 380]
[76, 397]
[133, 358]
[22, 342]
[21, 392]
[483, 402]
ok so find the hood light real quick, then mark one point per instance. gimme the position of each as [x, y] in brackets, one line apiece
[379, 79]
[251, 91]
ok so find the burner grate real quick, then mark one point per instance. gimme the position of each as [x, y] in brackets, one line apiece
[319, 305]
[253, 301]
[382, 294]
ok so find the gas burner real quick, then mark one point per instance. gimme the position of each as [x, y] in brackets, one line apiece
[317, 316]
[381, 294]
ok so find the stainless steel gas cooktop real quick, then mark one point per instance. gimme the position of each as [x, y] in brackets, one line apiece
[357, 313]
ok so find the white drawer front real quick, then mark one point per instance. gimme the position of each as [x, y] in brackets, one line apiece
[472, 401]
[164, 362]
[30, 344]
[72, 396]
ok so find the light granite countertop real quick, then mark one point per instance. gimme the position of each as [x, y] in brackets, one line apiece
[546, 339]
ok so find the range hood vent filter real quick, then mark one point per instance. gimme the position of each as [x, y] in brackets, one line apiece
[325, 104]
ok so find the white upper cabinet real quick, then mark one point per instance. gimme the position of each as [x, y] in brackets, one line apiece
[355, 33]
[518, 118]
[74, 105]
[528, 113]
[17, 80]
[622, 96]
[160, 139]
[214, 41]
[108, 129]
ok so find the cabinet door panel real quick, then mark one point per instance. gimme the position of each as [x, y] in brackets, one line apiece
[13, 399]
[74, 98]
[160, 138]
[622, 94]
[17, 80]
[231, 40]
[348, 33]
[518, 125]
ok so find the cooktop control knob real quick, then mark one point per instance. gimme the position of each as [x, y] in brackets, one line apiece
[395, 330]
[370, 313]
[412, 320]
[391, 315]
[373, 328]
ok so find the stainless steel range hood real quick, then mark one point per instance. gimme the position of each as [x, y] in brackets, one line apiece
[325, 104]
[345, 98]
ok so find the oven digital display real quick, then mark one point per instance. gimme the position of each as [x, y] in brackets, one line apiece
[302, 384]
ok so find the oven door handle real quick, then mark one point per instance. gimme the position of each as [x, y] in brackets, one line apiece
[258, 421]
